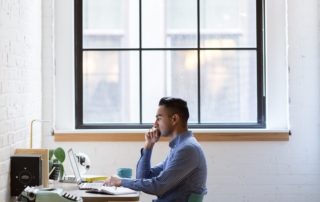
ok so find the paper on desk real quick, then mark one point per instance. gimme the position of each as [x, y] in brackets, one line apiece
[112, 190]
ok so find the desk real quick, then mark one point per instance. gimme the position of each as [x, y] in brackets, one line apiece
[89, 197]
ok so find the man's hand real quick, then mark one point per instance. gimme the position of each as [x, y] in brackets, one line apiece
[113, 181]
[151, 137]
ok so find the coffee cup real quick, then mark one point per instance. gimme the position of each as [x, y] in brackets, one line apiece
[124, 172]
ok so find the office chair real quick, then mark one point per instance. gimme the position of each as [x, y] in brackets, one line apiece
[195, 198]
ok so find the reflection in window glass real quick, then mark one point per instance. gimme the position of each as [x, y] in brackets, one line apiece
[228, 81]
[105, 19]
[110, 87]
[174, 74]
[228, 19]
[167, 17]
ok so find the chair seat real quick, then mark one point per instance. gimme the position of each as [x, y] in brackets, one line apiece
[195, 198]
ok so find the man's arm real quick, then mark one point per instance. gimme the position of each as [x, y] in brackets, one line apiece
[182, 164]
[144, 169]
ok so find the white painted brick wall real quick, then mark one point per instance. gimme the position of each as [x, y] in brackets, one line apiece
[20, 80]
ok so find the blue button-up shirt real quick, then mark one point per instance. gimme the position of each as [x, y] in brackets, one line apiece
[183, 172]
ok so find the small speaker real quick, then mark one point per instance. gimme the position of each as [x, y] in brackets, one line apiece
[26, 170]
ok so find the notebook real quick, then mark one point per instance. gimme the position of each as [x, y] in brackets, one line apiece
[94, 187]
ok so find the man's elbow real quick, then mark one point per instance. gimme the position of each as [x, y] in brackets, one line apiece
[143, 175]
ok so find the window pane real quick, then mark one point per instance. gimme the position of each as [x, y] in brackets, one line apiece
[228, 86]
[173, 74]
[228, 23]
[166, 18]
[110, 87]
[107, 19]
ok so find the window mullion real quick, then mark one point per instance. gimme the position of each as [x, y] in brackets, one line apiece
[198, 64]
[140, 59]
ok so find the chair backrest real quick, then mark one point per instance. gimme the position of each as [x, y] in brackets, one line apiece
[195, 198]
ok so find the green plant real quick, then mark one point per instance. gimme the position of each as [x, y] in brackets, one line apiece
[56, 159]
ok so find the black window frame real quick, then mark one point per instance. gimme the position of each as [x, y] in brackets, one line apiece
[260, 51]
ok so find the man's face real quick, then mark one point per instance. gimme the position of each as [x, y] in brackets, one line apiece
[164, 122]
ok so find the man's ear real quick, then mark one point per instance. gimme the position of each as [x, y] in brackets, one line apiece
[175, 119]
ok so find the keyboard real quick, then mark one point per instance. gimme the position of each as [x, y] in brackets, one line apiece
[91, 185]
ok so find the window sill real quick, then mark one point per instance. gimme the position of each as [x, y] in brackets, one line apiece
[201, 135]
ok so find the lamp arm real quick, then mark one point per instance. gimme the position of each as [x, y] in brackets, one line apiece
[31, 129]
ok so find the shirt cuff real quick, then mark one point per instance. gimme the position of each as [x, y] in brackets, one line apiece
[127, 182]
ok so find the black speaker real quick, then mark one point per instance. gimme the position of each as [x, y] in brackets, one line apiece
[26, 170]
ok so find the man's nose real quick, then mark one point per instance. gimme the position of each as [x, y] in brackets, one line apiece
[155, 124]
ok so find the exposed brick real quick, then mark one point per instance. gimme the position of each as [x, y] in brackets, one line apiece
[4, 140]
[4, 195]
[19, 123]
[3, 127]
[19, 135]
[3, 114]
[20, 79]
[3, 101]
[5, 166]
[11, 138]
[5, 153]
[4, 181]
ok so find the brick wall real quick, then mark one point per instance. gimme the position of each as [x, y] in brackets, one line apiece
[20, 80]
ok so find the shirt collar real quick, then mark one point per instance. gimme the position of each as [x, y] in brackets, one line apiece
[180, 138]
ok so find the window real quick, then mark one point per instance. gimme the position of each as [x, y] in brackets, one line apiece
[130, 53]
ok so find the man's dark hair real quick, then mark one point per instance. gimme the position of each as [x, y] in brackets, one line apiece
[176, 106]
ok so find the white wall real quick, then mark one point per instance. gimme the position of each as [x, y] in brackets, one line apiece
[247, 171]
[20, 80]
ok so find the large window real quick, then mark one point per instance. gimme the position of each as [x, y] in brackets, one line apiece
[130, 53]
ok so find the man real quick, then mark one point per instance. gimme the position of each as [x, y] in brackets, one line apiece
[183, 172]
